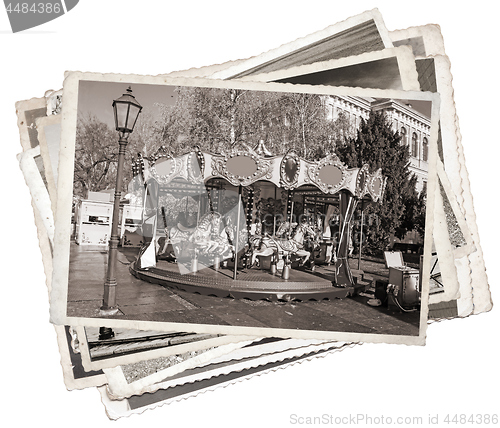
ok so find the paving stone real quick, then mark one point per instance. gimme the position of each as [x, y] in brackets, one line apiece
[142, 307]
[86, 309]
[139, 300]
[240, 319]
[198, 316]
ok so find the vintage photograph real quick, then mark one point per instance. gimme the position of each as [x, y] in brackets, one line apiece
[356, 35]
[240, 209]
[392, 68]
[260, 188]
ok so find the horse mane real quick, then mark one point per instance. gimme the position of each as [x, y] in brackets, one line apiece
[208, 218]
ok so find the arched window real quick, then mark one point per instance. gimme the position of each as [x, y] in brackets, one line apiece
[414, 145]
[425, 149]
[404, 136]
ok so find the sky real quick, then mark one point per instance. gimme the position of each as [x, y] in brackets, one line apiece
[96, 98]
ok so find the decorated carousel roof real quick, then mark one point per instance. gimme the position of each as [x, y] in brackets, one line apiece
[245, 167]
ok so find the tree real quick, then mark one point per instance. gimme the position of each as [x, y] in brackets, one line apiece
[96, 152]
[220, 120]
[420, 212]
[306, 115]
[207, 117]
[377, 145]
[96, 156]
[151, 130]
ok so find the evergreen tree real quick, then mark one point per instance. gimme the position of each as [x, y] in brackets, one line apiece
[420, 211]
[377, 145]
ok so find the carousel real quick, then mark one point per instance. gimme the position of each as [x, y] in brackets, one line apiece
[250, 224]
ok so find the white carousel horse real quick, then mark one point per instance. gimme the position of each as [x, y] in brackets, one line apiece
[208, 237]
[178, 236]
[217, 244]
[295, 245]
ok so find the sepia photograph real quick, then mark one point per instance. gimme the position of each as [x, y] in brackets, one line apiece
[253, 212]
[276, 188]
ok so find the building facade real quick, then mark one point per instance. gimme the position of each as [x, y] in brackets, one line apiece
[412, 125]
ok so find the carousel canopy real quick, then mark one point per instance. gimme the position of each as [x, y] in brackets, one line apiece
[245, 167]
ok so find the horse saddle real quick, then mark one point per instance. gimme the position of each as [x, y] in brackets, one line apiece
[287, 245]
[185, 229]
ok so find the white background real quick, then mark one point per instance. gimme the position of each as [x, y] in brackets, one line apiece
[456, 372]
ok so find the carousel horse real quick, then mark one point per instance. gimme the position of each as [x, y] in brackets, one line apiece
[294, 245]
[208, 237]
[178, 237]
[220, 244]
[237, 245]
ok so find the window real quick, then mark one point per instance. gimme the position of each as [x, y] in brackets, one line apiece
[425, 154]
[414, 145]
[404, 136]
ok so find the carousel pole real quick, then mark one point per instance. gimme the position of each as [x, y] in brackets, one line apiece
[289, 208]
[304, 206]
[236, 238]
[215, 206]
[285, 274]
[249, 208]
[198, 212]
[343, 275]
[209, 198]
[194, 260]
[274, 212]
[315, 216]
[361, 235]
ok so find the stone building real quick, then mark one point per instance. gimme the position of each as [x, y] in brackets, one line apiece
[413, 126]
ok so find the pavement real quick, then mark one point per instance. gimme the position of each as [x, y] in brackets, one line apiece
[138, 300]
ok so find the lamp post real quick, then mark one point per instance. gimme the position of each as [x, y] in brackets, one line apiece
[126, 110]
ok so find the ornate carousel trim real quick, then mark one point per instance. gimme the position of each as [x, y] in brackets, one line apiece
[227, 166]
[376, 185]
[176, 166]
[196, 166]
[246, 167]
[315, 176]
[290, 171]
[362, 181]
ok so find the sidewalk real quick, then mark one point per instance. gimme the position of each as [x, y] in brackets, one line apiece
[138, 300]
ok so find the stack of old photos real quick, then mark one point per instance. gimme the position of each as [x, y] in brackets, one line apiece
[175, 343]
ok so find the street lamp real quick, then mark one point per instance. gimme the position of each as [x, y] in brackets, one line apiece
[126, 110]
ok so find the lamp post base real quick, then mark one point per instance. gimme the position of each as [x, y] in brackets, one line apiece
[107, 312]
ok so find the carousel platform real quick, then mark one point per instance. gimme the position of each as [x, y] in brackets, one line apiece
[253, 284]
